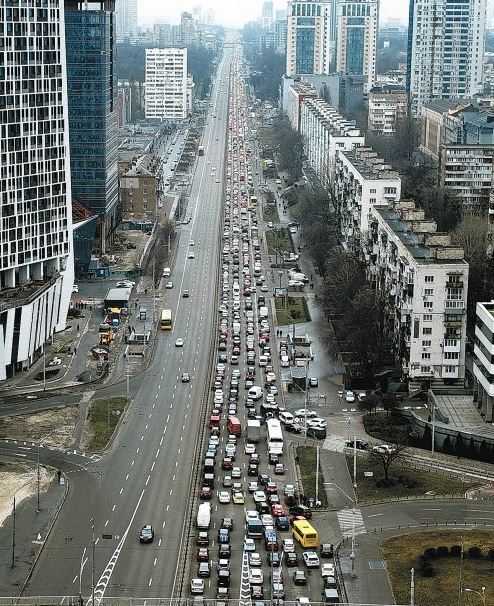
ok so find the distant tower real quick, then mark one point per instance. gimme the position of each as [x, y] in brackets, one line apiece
[267, 15]
[308, 37]
[356, 46]
[92, 93]
[126, 15]
[166, 84]
[446, 41]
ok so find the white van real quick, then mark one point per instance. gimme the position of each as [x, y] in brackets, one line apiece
[286, 418]
[255, 392]
[263, 313]
[263, 360]
[166, 272]
[285, 361]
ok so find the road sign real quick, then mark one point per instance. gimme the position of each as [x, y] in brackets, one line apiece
[349, 423]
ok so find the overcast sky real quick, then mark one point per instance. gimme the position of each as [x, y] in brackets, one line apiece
[235, 13]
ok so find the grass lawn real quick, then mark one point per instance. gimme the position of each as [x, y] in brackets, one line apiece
[103, 418]
[307, 465]
[407, 482]
[270, 213]
[278, 240]
[402, 553]
[296, 311]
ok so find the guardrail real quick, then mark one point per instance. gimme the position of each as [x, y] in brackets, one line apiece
[137, 601]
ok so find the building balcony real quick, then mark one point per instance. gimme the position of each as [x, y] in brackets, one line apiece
[450, 372]
[452, 284]
[454, 306]
[451, 345]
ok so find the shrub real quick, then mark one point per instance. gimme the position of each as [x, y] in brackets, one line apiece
[474, 552]
[490, 555]
[430, 553]
[428, 571]
[442, 551]
[455, 551]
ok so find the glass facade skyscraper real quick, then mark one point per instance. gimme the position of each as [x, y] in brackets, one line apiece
[92, 90]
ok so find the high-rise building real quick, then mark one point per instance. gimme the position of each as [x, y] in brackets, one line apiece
[446, 40]
[92, 95]
[356, 45]
[280, 29]
[166, 84]
[267, 15]
[126, 20]
[189, 32]
[36, 259]
[308, 47]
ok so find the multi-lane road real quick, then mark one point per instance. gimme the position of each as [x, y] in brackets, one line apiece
[145, 476]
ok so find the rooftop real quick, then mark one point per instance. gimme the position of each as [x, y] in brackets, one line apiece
[370, 170]
[441, 106]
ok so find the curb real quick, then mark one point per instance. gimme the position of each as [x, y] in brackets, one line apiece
[48, 532]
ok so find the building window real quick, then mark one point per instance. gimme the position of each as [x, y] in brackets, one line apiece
[428, 304]
[427, 317]
[426, 343]
[451, 355]
[426, 330]
[429, 292]
[426, 356]
[424, 369]
[429, 279]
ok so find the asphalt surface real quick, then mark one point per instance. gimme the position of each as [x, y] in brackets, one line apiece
[147, 471]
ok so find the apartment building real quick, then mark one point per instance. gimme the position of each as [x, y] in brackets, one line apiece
[446, 41]
[357, 22]
[483, 360]
[388, 106]
[308, 47]
[324, 131]
[141, 188]
[466, 172]
[126, 20]
[426, 278]
[297, 93]
[36, 255]
[362, 180]
[166, 84]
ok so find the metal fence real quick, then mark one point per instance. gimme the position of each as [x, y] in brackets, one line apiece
[129, 601]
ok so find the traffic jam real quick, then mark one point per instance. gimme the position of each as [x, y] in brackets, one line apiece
[254, 540]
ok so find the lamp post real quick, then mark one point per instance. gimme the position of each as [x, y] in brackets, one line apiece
[480, 593]
[12, 565]
[81, 570]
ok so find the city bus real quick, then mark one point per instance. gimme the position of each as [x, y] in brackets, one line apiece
[305, 533]
[275, 437]
[166, 319]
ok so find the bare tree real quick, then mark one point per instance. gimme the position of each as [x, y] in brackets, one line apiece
[385, 455]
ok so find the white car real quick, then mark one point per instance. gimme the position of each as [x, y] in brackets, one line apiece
[250, 448]
[302, 412]
[255, 559]
[236, 472]
[191, 254]
[249, 544]
[224, 497]
[256, 576]
[267, 520]
[383, 449]
[197, 586]
[179, 342]
[317, 423]
[125, 284]
[349, 397]
[75, 288]
[253, 487]
[311, 559]
[169, 285]
[288, 546]
[259, 496]
[327, 570]
[191, 243]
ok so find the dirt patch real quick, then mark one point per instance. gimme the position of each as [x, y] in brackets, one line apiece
[103, 418]
[20, 478]
[54, 426]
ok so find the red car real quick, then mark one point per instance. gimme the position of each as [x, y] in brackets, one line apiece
[203, 554]
[271, 488]
[227, 463]
[278, 510]
[206, 493]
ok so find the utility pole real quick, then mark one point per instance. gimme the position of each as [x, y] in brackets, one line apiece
[355, 464]
[12, 565]
[412, 587]
[93, 548]
[317, 475]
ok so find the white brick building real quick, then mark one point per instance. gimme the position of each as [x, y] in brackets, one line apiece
[166, 84]
[387, 107]
[324, 131]
[427, 280]
[36, 256]
[295, 96]
[362, 180]
[483, 361]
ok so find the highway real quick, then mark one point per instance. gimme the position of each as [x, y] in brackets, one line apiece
[146, 473]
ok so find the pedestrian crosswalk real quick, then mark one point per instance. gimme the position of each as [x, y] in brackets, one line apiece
[347, 518]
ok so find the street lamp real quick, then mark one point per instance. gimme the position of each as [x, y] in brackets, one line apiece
[81, 570]
[480, 593]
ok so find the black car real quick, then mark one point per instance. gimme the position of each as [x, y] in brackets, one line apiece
[299, 577]
[263, 508]
[227, 523]
[147, 534]
[223, 577]
[224, 550]
[273, 458]
[252, 470]
[282, 523]
[300, 510]
[264, 479]
[360, 444]
[291, 558]
[326, 550]
[222, 358]
[293, 428]
[274, 558]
